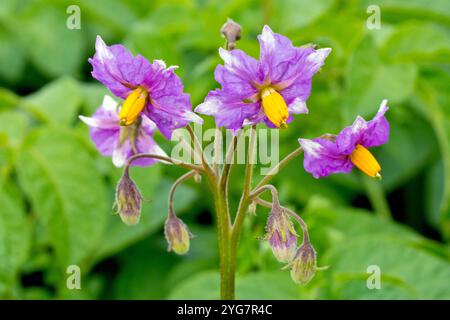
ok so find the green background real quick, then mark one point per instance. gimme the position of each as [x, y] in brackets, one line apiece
[56, 191]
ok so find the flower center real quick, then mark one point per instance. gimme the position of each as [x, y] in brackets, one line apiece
[274, 107]
[365, 161]
[133, 106]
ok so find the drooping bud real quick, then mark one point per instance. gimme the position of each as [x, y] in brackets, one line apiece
[177, 235]
[232, 32]
[281, 234]
[128, 200]
[304, 265]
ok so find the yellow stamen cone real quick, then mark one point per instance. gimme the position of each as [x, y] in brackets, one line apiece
[133, 106]
[274, 107]
[366, 162]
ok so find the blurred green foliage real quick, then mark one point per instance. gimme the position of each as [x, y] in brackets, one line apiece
[57, 191]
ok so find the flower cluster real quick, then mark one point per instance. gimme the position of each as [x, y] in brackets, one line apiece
[268, 90]
[153, 97]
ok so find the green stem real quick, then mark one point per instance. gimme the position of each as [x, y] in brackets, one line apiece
[217, 149]
[177, 182]
[164, 158]
[198, 148]
[376, 197]
[226, 278]
[242, 209]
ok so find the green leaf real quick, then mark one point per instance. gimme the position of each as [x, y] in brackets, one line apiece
[294, 14]
[433, 96]
[330, 225]
[57, 102]
[93, 94]
[14, 55]
[53, 48]
[8, 99]
[14, 239]
[258, 285]
[66, 192]
[202, 286]
[14, 125]
[369, 81]
[418, 43]
[405, 271]
[394, 8]
[140, 277]
[400, 159]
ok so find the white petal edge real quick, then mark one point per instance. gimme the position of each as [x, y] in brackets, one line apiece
[91, 122]
[298, 106]
[318, 57]
[230, 60]
[209, 107]
[109, 103]
[383, 107]
[191, 116]
[268, 38]
[102, 50]
[118, 157]
[313, 149]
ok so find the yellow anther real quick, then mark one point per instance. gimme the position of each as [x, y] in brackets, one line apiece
[274, 107]
[366, 162]
[133, 106]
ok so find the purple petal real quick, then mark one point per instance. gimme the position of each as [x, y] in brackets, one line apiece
[322, 158]
[276, 55]
[239, 74]
[171, 112]
[298, 85]
[117, 69]
[350, 136]
[227, 111]
[368, 134]
[377, 132]
[283, 64]
[104, 125]
[169, 107]
[238, 77]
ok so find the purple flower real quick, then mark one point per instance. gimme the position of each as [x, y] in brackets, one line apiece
[268, 90]
[121, 142]
[349, 148]
[149, 88]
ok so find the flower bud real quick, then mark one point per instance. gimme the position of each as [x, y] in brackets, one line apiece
[128, 200]
[304, 265]
[281, 235]
[177, 235]
[232, 32]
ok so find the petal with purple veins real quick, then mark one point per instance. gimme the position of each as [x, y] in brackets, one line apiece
[322, 158]
[350, 136]
[228, 112]
[117, 68]
[377, 131]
